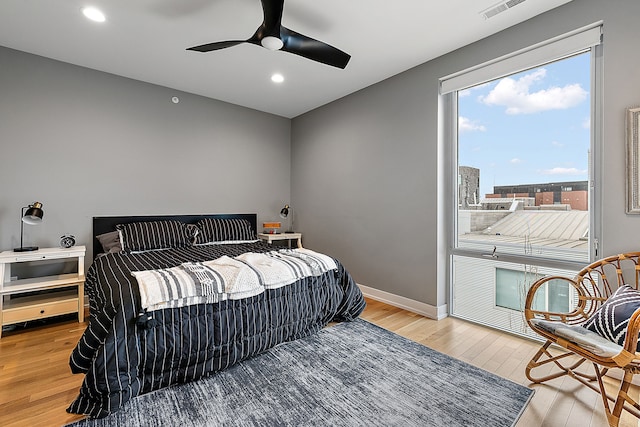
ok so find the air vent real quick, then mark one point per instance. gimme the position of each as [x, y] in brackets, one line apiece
[500, 7]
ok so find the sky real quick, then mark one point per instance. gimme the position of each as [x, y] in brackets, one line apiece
[528, 128]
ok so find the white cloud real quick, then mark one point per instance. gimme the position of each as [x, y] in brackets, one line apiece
[564, 171]
[515, 161]
[586, 124]
[557, 144]
[515, 95]
[466, 125]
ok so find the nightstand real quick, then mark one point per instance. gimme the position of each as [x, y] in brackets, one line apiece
[269, 238]
[41, 297]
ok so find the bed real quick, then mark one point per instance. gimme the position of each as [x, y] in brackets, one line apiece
[176, 298]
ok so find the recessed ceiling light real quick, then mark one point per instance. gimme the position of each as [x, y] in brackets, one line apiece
[277, 78]
[94, 14]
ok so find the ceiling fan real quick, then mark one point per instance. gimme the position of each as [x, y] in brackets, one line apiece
[273, 36]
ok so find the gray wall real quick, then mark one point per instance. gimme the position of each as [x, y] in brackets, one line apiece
[87, 143]
[364, 185]
[365, 168]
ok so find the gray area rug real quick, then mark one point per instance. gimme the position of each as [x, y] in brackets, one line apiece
[351, 374]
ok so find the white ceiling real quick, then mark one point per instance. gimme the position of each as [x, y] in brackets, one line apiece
[146, 40]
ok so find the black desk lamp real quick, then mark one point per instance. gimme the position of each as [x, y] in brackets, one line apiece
[32, 216]
[284, 213]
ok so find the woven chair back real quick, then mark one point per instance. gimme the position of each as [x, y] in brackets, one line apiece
[602, 278]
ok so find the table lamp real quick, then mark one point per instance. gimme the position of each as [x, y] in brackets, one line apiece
[32, 216]
[284, 213]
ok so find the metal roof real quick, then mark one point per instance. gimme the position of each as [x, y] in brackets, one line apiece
[561, 225]
[537, 228]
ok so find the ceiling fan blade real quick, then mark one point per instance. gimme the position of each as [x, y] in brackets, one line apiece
[312, 49]
[216, 45]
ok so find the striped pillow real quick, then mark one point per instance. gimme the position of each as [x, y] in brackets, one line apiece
[224, 229]
[611, 320]
[144, 236]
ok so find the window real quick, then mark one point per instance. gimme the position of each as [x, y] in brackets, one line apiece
[523, 144]
[526, 139]
[511, 287]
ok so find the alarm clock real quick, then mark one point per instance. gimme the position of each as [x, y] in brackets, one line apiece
[67, 241]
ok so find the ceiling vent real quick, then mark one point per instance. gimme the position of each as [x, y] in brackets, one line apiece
[500, 7]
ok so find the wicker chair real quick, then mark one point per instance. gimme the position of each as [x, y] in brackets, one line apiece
[578, 346]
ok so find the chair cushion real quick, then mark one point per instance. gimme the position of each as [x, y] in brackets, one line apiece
[580, 336]
[612, 318]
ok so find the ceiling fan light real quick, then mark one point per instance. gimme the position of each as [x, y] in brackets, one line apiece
[272, 43]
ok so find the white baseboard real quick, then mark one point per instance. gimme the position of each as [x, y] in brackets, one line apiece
[430, 311]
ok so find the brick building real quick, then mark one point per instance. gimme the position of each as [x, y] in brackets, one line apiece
[574, 193]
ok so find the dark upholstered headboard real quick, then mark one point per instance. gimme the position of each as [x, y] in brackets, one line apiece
[105, 224]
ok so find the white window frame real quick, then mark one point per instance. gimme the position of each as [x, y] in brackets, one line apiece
[588, 38]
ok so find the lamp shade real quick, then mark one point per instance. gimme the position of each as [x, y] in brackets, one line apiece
[284, 212]
[33, 214]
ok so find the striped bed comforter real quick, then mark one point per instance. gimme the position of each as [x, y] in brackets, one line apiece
[129, 349]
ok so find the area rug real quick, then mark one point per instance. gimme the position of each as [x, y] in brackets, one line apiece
[350, 374]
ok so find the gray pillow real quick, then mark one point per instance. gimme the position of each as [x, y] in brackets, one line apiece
[110, 242]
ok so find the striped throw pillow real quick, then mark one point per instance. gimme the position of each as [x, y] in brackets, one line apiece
[224, 229]
[144, 236]
[612, 318]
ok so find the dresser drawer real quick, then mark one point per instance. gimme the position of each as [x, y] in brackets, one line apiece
[24, 309]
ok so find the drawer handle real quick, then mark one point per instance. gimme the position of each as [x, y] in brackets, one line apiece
[41, 311]
[30, 258]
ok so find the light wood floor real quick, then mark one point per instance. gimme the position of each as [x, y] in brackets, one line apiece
[36, 384]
